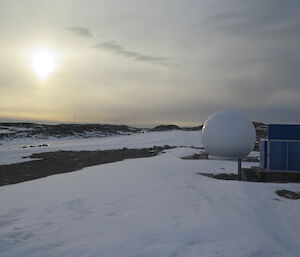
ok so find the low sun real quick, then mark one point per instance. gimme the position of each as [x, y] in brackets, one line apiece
[43, 62]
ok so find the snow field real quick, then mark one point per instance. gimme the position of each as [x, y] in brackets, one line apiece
[154, 207]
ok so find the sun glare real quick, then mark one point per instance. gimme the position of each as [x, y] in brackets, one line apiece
[43, 62]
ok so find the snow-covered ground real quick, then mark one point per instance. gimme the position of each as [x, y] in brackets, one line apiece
[12, 151]
[154, 206]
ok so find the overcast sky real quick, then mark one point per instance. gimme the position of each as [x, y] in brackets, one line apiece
[147, 62]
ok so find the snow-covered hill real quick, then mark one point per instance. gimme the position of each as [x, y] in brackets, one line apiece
[15, 131]
[157, 206]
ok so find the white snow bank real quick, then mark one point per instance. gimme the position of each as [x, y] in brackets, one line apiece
[4, 131]
[153, 207]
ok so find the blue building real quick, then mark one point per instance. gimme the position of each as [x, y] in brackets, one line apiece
[280, 149]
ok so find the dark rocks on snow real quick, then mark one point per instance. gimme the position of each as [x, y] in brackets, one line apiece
[288, 194]
[67, 161]
[166, 128]
[19, 130]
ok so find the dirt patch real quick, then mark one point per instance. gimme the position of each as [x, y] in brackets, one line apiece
[202, 156]
[288, 194]
[229, 176]
[221, 176]
[205, 156]
[51, 163]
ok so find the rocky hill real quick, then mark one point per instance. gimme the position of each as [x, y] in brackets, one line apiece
[175, 127]
[9, 131]
[23, 130]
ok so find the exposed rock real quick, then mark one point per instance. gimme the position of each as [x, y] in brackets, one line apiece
[201, 156]
[288, 194]
[175, 127]
[260, 133]
[67, 161]
[197, 128]
[23, 130]
[165, 128]
[230, 176]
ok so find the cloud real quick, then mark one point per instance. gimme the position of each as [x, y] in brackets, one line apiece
[81, 31]
[114, 47]
[254, 57]
[255, 19]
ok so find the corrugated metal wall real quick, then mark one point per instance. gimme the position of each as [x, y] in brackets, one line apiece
[280, 150]
[280, 155]
[294, 156]
[283, 132]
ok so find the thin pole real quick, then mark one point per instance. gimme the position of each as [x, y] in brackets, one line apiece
[239, 169]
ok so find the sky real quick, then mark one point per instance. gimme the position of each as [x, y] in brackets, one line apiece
[148, 62]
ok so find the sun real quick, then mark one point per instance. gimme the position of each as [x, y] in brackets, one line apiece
[43, 62]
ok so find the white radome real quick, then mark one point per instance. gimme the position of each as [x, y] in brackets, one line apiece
[228, 134]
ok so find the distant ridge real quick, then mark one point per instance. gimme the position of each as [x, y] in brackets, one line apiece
[13, 130]
[175, 127]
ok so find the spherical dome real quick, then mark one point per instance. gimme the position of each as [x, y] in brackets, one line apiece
[228, 134]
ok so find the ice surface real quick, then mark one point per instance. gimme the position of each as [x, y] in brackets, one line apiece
[153, 207]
